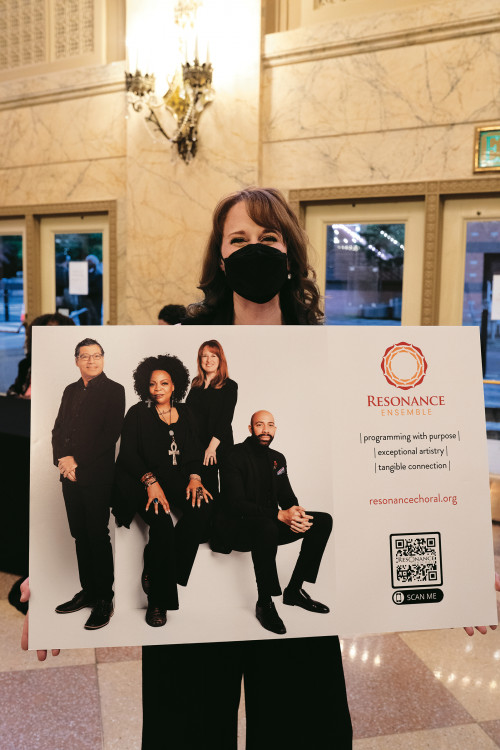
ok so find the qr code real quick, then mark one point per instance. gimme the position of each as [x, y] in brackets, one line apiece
[416, 560]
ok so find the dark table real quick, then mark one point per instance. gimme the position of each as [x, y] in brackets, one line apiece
[15, 461]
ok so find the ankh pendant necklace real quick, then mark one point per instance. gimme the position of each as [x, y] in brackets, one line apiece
[174, 451]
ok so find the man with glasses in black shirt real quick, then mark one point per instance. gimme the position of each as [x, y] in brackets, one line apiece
[83, 440]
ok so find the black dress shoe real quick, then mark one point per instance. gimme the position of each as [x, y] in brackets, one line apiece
[100, 615]
[269, 619]
[146, 582]
[302, 599]
[156, 616]
[79, 601]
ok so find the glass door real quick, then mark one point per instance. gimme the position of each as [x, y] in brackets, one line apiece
[12, 310]
[75, 268]
[470, 273]
[369, 261]
[470, 295]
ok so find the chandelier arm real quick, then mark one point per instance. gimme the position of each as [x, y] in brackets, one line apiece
[137, 105]
[185, 121]
[152, 117]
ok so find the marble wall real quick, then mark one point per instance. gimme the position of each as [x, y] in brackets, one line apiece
[169, 203]
[63, 142]
[71, 137]
[388, 97]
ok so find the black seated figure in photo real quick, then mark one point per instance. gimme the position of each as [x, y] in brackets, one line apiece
[295, 694]
[212, 399]
[83, 441]
[159, 467]
[259, 512]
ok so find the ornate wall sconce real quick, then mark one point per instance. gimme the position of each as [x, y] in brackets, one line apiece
[189, 92]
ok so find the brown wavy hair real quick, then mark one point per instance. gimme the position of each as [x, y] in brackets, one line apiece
[299, 297]
[222, 373]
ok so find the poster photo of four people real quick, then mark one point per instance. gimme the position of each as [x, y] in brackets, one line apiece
[161, 443]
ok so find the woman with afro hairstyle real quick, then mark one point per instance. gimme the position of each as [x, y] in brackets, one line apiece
[158, 469]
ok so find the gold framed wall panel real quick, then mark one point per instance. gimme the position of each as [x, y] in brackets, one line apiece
[434, 194]
[32, 215]
[432, 256]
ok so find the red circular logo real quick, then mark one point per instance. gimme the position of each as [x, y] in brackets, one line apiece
[404, 365]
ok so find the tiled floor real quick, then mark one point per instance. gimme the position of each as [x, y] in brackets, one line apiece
[434, 689]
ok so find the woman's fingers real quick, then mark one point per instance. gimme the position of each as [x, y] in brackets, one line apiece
[156, 502]
[199, 495]
[196, 492]
[480, 629]
[41, 654]
[202, 493]
[25, 590]
[24, 634]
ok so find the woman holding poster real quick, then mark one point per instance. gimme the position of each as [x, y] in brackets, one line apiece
[255, 272]
[159, 467]
[212, 400]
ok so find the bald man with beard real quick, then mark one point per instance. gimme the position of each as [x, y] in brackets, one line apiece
[260, 512]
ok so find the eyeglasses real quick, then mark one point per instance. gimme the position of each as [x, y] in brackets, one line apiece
[88, 357]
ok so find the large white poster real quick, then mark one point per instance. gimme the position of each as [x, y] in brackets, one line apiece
[410, 479]
[381, 428]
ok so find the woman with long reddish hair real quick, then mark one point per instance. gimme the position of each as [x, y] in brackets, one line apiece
[212, 400]
[256, 269]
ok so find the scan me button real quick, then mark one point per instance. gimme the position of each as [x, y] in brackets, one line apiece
[417, 596]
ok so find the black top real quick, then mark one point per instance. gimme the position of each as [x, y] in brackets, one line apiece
[224, 314]
[209, 316]
[87, 427]
[254, 481]
[23, 380]
[145, 446]
[213, 410]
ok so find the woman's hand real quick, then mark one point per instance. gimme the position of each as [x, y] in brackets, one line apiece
[157, 497]
[25, 595]
[196, 492]
[482, 628]
[210, 457]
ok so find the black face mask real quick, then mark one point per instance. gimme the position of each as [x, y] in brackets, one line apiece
[256, 272]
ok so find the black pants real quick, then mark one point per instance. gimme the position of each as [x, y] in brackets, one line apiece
[170, 553]
[295, 695]
[210, 479]
[191, 530]
[88, 516]
[262, 536]
[159, 557]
